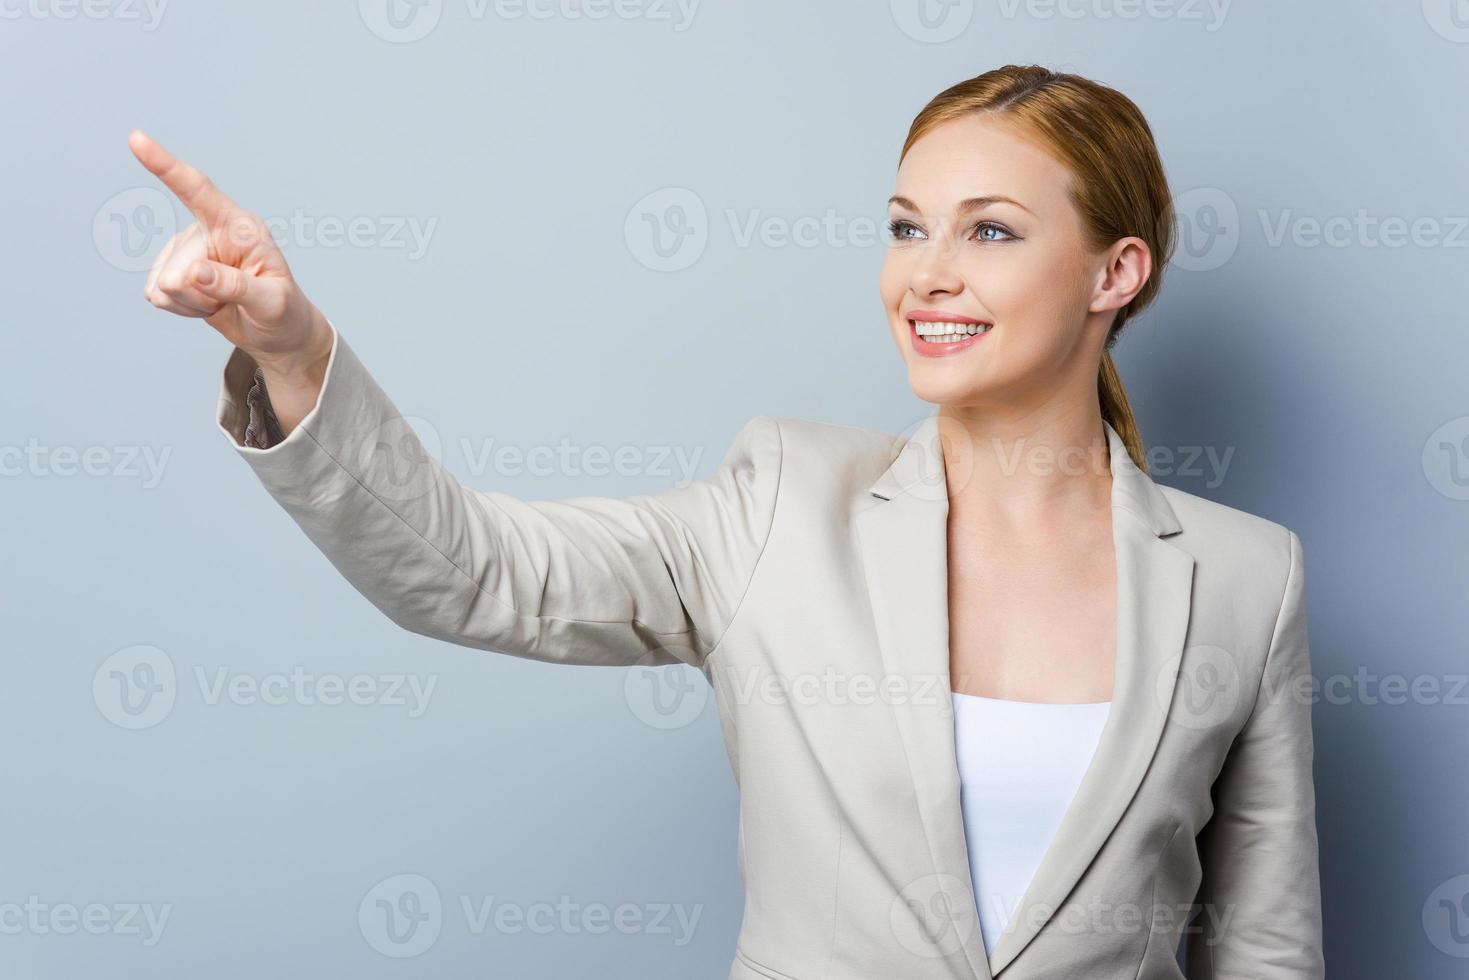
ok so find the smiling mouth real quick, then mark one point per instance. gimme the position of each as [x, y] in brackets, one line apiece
[948, 331]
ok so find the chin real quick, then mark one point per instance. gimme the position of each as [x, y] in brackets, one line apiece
[941, 387]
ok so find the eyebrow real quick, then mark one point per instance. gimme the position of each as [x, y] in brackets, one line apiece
[964, 206]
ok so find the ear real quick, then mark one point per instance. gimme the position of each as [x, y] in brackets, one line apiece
[1125, 270]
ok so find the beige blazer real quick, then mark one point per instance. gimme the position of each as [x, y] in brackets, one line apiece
[807, 581]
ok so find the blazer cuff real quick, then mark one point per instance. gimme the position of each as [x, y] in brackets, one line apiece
[322, 442]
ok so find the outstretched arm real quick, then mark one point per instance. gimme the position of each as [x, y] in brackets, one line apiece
[651, 579]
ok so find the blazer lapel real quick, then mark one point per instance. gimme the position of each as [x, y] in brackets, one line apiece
[904, 544]
[905, 557]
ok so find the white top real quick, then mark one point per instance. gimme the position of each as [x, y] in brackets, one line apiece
[1020, 763]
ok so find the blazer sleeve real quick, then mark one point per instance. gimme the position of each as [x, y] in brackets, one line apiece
[651, 579]
[1261, 894]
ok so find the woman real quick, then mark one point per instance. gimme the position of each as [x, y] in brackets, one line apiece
[997, 702]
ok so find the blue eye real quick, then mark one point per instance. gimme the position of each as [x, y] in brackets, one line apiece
[898, 229]
[902, 230]
[990, 226]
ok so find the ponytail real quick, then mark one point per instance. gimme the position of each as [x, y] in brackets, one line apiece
[1117, 410]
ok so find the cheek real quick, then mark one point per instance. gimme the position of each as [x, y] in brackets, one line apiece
[893, 286]
[892, 281]
[1011, 287]
[1033, 294]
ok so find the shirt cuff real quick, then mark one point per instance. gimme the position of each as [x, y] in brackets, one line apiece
[262, 429]
[243, 411]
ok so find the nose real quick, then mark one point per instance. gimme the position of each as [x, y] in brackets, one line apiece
[935, 271]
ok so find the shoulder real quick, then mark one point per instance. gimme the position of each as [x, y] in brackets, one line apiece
[834, 442]
[849, 439]
[1205, 518]
[827, 458]
[1251, 550]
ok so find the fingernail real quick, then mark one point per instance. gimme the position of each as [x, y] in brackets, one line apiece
[205, 276]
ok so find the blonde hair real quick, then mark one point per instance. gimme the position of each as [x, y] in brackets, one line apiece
[1119, 186]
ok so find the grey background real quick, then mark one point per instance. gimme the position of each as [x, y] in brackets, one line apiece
[1333, 373]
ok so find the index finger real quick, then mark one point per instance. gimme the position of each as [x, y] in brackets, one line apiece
[197, 192]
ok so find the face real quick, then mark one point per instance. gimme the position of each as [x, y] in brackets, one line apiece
[991, 292]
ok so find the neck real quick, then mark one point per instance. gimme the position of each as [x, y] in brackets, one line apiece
[1030, 468]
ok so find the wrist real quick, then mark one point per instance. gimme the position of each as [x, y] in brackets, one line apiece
[304, 367]
[293, 384]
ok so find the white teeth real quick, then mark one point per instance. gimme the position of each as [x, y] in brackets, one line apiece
[944, 330]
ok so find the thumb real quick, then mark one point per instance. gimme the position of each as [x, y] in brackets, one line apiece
[264, 299]
[220, 282]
